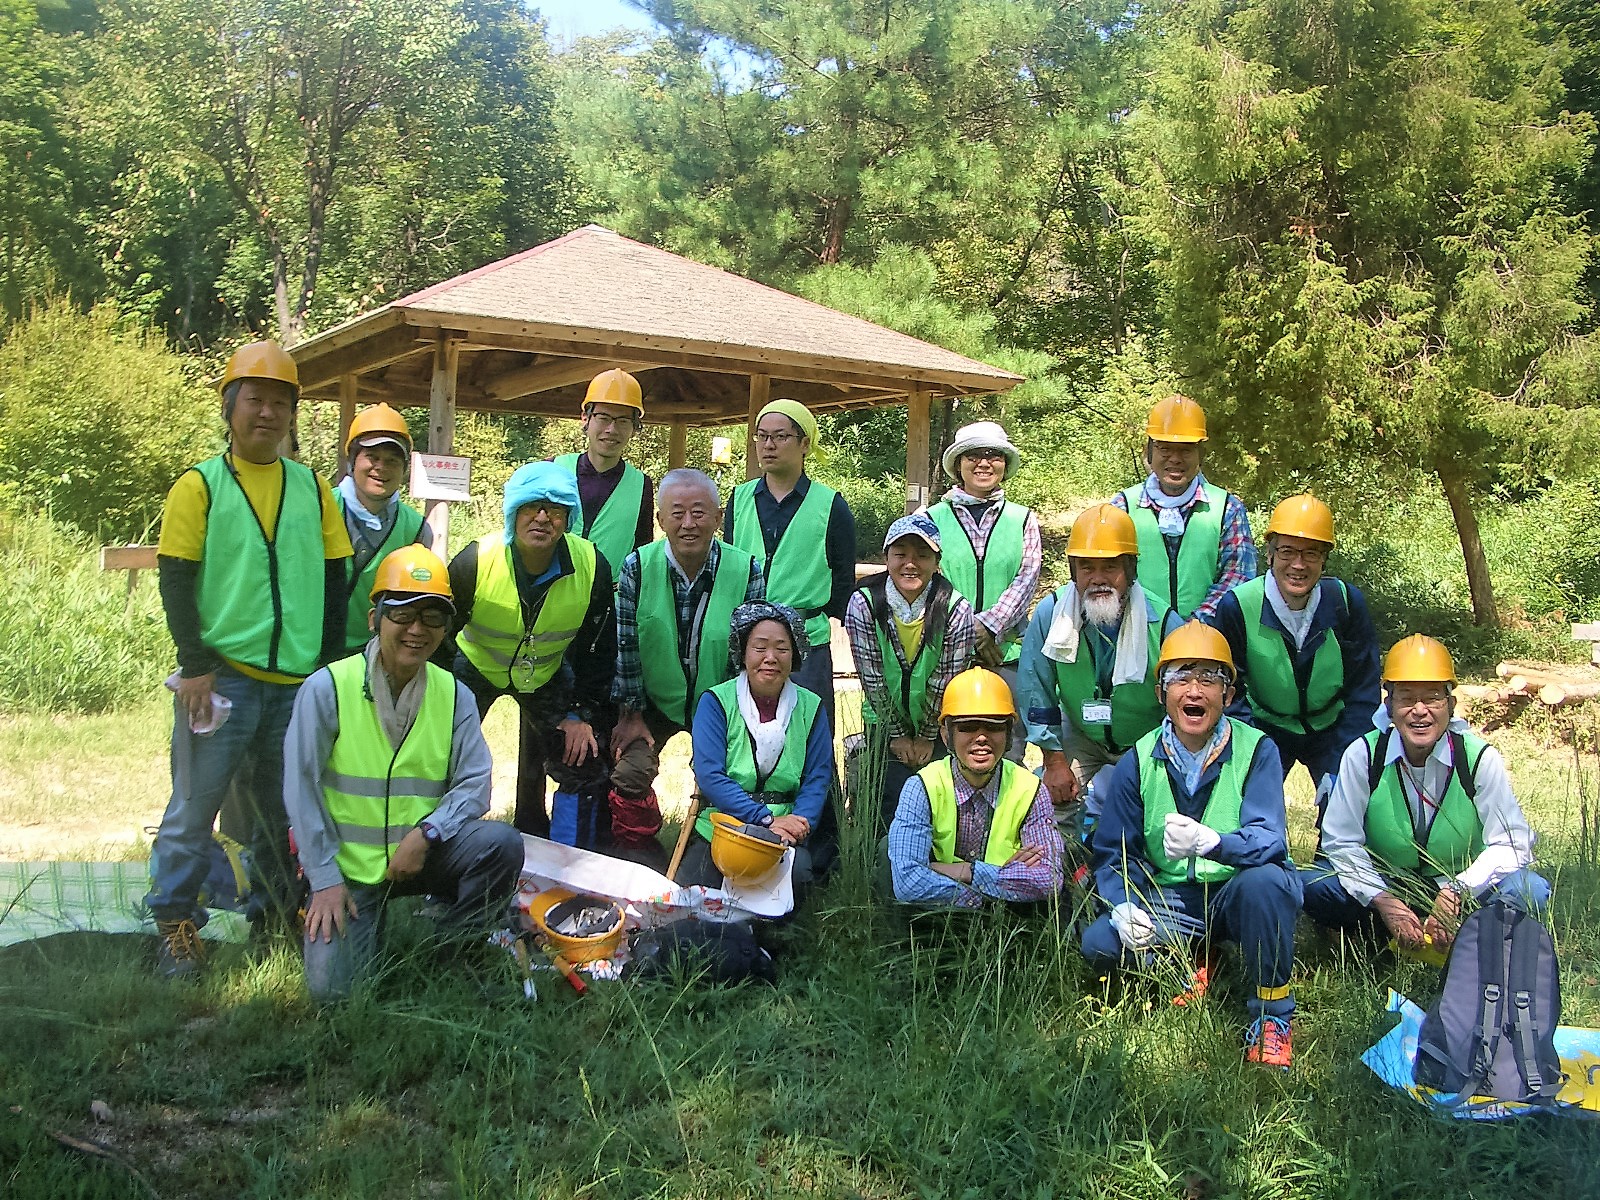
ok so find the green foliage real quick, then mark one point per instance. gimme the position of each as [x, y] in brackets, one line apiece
[71, 637]
[97, 418]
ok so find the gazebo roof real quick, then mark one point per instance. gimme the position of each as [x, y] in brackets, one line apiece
[532, 329]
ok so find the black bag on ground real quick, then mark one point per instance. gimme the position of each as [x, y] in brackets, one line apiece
[727, 952]
[1491, 1032]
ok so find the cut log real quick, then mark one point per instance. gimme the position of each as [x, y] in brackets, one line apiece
[1556, 694]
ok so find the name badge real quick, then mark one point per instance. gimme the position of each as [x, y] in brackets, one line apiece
[1097, 712]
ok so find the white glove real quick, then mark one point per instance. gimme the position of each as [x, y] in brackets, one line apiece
[1184, 837]
[1133, 925]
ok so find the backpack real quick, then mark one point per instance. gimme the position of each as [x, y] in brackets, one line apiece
[727, 952]
[1491, 1031]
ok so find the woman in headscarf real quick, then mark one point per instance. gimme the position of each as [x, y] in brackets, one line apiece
[763, 751]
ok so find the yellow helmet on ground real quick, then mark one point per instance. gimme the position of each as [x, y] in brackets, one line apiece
[615, 386]
[380, 422]
[1419, 659]
[551, 907]
[414, 571]
[740, 856]
[1303, 516]
[1102, 531]
[977, 692]
[1176, 419]
[1195, 640]
[261, 360]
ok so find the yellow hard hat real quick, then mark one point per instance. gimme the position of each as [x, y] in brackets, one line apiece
[1103, 531]
[414, 570]
[380, 419]
[1303, 516]
[1195, 640]
[737, 855]
[977, 692]
[615, 386]
[261, 360]
[1176, 419]
[549, 907]
[1418, 659]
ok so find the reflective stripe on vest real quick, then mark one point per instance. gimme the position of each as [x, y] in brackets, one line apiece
[1301, 696]
[617, 523]
[407, 524]
[797, 571]
[375, 793]
[1222, 809]
[983, 581]
[495, 640]
[671, 689]
[1018, 789]
[1453, 840]
[778, 788]
[908, 690]
[1135, 710]
[261, 598]
[1180, 584]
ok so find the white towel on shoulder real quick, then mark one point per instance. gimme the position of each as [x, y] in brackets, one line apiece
[1133, 643]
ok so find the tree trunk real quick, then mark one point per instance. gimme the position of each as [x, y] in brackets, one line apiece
[1479, 585]
[838, 221]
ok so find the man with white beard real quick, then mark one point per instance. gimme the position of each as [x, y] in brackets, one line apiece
[1088, 667]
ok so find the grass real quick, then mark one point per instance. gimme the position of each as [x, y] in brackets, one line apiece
[944, 1057]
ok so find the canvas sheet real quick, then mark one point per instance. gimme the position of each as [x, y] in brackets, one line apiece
[39, 899]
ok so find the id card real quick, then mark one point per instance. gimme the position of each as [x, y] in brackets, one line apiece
[1097, 712]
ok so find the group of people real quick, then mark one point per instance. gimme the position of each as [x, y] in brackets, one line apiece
[1169, 688]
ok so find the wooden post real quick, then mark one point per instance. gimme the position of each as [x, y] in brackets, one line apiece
[760, 393]
[917, 429]
[442, 430]
[347, 414]
[677, 445]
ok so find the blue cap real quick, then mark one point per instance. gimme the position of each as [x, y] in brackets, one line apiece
[918, 525]
[541, 481]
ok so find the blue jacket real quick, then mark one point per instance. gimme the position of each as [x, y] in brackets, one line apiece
[710, 754]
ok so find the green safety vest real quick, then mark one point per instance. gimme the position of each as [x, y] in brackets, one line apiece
[375, 793]
[778, 788]
[907, 682]
[1181, 584]
[407, 524]
[617, 522]
[982, 580]
[495, 640]
[1018, 789]
[674, 689]
[1454, 839]
[1135, 710]
[797, 571]
[261, 599]
[1278, 694]
[1222, 809]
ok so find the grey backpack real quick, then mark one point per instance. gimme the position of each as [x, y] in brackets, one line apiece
[1491, 1032]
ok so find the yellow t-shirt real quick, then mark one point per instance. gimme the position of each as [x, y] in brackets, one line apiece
[183, 524]
[910, 636]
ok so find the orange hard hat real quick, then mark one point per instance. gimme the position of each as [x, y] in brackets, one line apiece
[977, 692]
[1303, 516]
[261, 360]
[1176, 419]
[378, 421]
[414, 571]
[1195, 640]
[1102, 531]
[1418, 659]
[615, 386]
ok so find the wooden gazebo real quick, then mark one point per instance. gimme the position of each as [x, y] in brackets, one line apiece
[525, 335]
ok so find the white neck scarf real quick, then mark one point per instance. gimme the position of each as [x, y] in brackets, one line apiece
[1133, 646]
[766, 736]
[1297, 623]
[353, 505]
[1169, 509]
[396, 714]
[958, 495]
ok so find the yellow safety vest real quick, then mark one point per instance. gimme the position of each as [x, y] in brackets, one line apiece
[495, 640]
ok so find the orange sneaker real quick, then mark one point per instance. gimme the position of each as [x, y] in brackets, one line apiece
[1199, 984]
[1270, 1042]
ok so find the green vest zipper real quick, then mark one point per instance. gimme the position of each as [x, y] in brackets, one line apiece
[673, 690]
[1180, 583]
[1222, 808]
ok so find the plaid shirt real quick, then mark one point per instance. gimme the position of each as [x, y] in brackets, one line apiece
[953, 658]
[1010, 609]
[1236, 552]
[628, 687]
[911, 848]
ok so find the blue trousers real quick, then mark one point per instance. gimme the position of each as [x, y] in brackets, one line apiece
[1329, 905]
[1256, 908]
[475, 872]
[1318, 752]
[202, 768]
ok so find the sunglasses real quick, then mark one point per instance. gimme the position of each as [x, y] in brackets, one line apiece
[972, 728]
[431, 615]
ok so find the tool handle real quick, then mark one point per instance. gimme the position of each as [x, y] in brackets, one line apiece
[695, 800]
[562, 965]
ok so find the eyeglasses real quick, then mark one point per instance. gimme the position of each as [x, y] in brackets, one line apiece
[431, 615]
[1204, 676]
[604, 422]
[984, 455]
[974, 728]
[548, 508]
[1433, 698]
[1311, 557]
[761, 438]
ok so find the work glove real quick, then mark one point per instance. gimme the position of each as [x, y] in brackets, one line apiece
[1184, 837]
[1133, 925]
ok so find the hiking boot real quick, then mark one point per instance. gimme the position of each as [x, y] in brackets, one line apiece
[1199, 985]
[1270, 1043]
[180, 953]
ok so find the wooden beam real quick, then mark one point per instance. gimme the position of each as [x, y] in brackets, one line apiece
[347, 414]
[677, 445]
[917, 465]
[369, 354]
[545, 377]
[760, 392]
[442, 431]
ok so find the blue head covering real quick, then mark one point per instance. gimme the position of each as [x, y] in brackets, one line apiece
[541, 481]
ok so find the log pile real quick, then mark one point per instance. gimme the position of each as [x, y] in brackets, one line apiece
[1552, 684]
